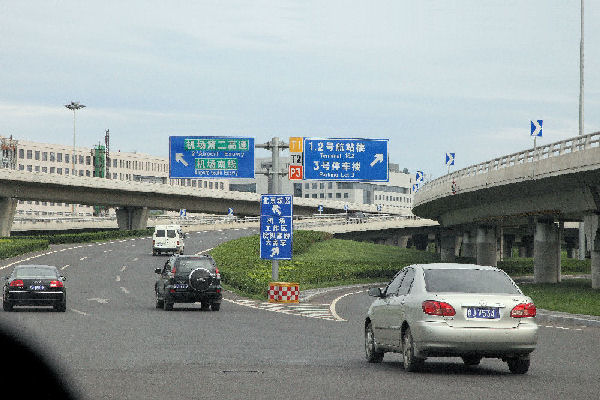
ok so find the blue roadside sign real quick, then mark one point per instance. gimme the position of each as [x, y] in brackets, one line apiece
[450, 158]
[340, 159]
[276, 230]
[536, 127]
[230, 211]
[419, 176]
[211, 157]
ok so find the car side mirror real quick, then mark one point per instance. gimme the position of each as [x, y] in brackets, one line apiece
[158, 271]
[375, 292]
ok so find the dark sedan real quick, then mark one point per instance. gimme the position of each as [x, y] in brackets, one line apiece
[34, 285]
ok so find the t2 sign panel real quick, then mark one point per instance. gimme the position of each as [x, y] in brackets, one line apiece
[346, 159]
[211, 157]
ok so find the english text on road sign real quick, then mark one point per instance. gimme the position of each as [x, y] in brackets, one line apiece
[536, 128]
[295, 172]
[211, 157]
[340, 159]
[450, 158]
[296, 145]
[276, 229]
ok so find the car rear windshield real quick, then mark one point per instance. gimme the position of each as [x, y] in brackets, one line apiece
[468, 281]
[187, 266]
[171, 234]
[33, 272]
[160, 233]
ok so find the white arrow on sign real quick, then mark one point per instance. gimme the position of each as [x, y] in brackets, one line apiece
[378, 158]
[276, 209]
[179, 158]
[536, 127]
[274, 251]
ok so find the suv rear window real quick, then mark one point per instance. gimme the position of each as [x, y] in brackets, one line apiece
[468, 281]
[160, 233]
[187, 266]
[171, 234]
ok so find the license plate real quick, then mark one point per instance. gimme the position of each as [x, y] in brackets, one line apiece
[483, 312]
[181, 286]
[37, 287]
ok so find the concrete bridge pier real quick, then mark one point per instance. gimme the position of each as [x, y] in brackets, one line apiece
[8, 207]
[592, 232]
[526, 247]
[546, 252]
[448, 246]
[572, 244]
[486, 246]
[469, 244]
[132, 218]
[421, 240]
[507, 245]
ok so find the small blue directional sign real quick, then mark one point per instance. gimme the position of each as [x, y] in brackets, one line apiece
[450, 158]
[536, 127]
[183, 212]
[211, 157]
[230, 212]
[419, 176]
[340, 159]
[320, 208]
[379, 207]
[276, 230]
[415, 188]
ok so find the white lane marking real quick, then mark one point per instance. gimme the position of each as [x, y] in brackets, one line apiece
[118, 279]
[90, 245]
[286, 308]
[124, 290]
[204, 251]
[135, 259]
[123, 268]
[334, 302]
[65, 267]
[99, 300]
[78, 312]
[82, 258]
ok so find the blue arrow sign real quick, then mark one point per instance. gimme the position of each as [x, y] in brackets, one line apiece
[230, 211]
[337, 159]
[450, 158]
[536, 128]
[276, 229]
[415, 188]
[419, 176]
[211, 157]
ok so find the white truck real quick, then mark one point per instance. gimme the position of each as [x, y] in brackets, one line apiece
[167, 239]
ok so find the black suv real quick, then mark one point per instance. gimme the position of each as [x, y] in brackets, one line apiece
[189, 279]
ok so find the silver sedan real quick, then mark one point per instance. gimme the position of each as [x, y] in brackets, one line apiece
[451, 310]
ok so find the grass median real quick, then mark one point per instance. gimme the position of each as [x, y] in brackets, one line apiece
[321, 261]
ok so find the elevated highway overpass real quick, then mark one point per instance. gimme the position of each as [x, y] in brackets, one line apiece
[133, 200]
[526, 196]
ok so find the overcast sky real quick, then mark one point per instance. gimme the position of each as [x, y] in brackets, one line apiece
[431, 76]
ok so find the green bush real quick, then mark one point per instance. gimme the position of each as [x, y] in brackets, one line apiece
[85, 237]
[318, 261]
[12, 248]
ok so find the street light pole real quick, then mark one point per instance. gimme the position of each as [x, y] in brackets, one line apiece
[74, 106]
[581, 224]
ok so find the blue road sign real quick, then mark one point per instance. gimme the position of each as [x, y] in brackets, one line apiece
[536, 127]
[230, 211]
[415, 188]
[346, 159]
[419, 176]
[379, 207]
[211, 157]
[450, 158]
[320, 208]
[183, 212]
[276, 230]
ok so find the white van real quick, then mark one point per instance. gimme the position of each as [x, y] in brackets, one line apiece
[167, 239]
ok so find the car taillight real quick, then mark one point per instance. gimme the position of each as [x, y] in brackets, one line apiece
[432, 307]
[178, 243]
[153, 242]
[173, 270]
[17, 283]
[56, 284]
[217, 274]
[523, 310]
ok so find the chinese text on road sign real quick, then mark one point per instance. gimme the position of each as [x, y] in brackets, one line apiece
[346, 159]
[211, 157]
[276, 227]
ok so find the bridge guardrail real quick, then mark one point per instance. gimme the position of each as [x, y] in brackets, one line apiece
[556, 149]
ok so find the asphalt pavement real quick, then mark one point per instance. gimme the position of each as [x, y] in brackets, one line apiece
[113, 343]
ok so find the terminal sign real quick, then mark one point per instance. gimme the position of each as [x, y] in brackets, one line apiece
[346, 159]
[211, 157]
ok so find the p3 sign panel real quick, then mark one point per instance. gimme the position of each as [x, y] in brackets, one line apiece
[211, 157]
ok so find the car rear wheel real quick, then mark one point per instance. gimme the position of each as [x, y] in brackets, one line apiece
[518, 365]
[61, 307]
[215, 306]
[410, 361]
[204, 306]
[159, 303]
[7, 306]
[371, 353]
[471, 360]
[167, 306]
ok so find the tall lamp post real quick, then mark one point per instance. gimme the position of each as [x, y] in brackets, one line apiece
[581, 224]
[74, 106]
